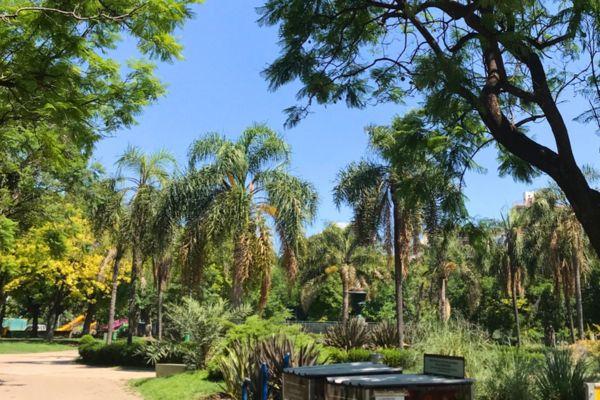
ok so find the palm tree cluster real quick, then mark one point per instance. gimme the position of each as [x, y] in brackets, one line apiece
[233, 195]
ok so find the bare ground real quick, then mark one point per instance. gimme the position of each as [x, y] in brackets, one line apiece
[56, 376]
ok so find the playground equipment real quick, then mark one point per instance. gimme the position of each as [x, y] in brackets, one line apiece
[68, 327]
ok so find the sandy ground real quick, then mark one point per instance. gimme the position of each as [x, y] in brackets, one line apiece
[56, 376]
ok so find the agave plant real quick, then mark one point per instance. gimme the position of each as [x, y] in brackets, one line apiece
[562, 377]
[243, 359]
[235, 365]
[385, 334]
[272, 352]
[352, 334]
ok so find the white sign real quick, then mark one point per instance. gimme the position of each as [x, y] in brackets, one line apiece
[390, 395]
[452, 367]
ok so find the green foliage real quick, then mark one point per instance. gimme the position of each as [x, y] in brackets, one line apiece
[118, 353]
[205, 323]
[243, 358]
[385, 334]
[177, 387]
[405, 359]
[352, 334]
[511, 377]
[562, 378]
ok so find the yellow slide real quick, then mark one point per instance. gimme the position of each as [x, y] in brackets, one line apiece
[73, 324]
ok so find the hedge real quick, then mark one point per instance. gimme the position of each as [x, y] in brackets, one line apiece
[118, 353]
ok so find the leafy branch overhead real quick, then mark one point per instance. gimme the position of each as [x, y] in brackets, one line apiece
[496, 69]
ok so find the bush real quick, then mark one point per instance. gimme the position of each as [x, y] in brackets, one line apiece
[511, 377]
[385, 334]
[405, 359]
[561, 377]
[118, 353]
[242, 359]
[87, 340]
[352, 334]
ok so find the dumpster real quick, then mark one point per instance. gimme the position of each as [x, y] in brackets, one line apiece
[441, 380]
[308, 383]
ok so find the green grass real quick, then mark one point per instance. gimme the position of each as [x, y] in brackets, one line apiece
[13, 347]
[187, 386]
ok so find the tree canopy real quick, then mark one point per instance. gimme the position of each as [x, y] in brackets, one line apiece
[493, 68]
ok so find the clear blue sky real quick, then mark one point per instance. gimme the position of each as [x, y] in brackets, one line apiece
[218, 88]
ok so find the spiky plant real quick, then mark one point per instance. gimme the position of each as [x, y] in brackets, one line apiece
[562, 377]
[349, 335]
[241, 190]
[385, 334]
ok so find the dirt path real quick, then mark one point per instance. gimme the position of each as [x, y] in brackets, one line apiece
[56, 376]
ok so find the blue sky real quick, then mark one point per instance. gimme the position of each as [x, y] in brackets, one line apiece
[218, 88]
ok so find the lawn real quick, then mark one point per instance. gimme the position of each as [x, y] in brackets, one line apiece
[188, 386]
[12, 347]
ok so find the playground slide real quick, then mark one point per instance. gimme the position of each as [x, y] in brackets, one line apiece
[73, 324]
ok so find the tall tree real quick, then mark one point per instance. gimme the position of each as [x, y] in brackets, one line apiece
[561, 237]
[503, 64]
[337, 250]
[148, 174]
[231, 190]
[416, 185]
[512, 262]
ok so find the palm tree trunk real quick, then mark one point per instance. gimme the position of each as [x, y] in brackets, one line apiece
[345, 293]
[578, 300]
[159, 314]
[132, 314]
[399, 244]
[113, 294]
[513, 290]
[240, 269]
[569, 310]
[443, 301]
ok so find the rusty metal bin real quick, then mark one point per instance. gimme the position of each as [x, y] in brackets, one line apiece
[398, 387]
[308, 383]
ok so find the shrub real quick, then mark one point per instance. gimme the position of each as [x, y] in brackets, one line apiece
[118, 353]
[352, 334]
[561, 377]
[87, 340]
[385, 334]
[405, 359]
[510, 378]
[242, 359]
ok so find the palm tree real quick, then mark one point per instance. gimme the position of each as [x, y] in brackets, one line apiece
[559, 234]
[240, 190]
[370, 189]
[413, 186]
[336, 250]
[148, 175]
[512, 263]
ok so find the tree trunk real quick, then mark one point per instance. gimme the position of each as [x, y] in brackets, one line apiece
[345, 293]
[51, 323]
[513, 290]
[241, 261]
[132, 314]
[400, 237]
[2, 306]
[419, 302]
[35, 317]
[89, 317]
[159, 316]
[578, 300]
[444, 303]
[113, 294]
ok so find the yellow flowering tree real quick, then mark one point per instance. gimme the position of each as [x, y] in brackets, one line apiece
[58, 264]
